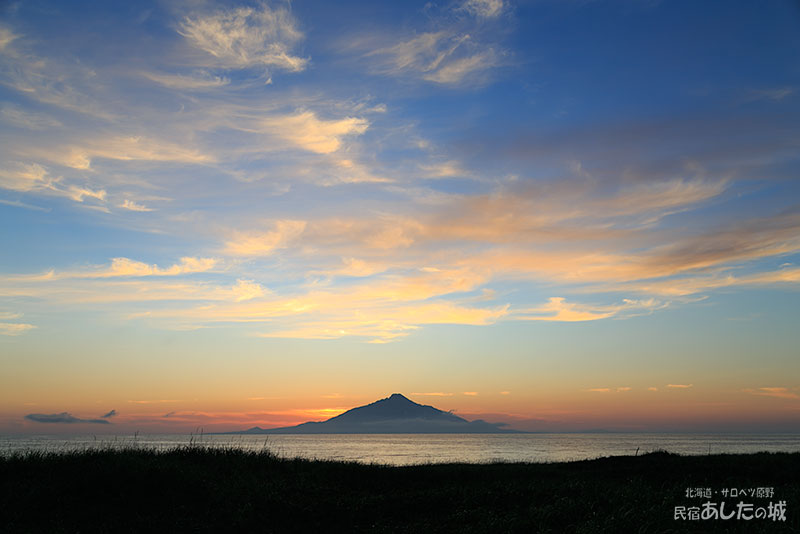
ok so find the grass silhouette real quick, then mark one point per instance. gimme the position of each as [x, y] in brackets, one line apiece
[197, 488]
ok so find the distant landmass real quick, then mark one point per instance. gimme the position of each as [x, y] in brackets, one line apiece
[393, 415]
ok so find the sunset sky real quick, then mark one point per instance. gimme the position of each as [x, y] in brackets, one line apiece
[564, 215]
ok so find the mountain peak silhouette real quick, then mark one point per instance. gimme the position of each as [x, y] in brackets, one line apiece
[396, 414]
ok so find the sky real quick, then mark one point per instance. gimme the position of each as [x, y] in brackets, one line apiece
[563, 215]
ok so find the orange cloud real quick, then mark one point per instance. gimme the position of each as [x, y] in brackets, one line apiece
[559, 310]
[125, 267]
[779, 392]
[264, 243]
[305, 130]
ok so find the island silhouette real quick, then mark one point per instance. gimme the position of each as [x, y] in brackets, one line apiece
[395, 414]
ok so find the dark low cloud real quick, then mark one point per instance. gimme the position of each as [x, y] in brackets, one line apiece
[63, 417]
[112, 413]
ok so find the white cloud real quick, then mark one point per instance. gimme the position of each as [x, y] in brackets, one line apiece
[356, 267]
[379, 310]
[125, 148]
[32, 177]
[6, 36]
[14, 329]
[658, 199]
[200, 81]
[307, 131]
[774, 94]
[123, 267]
[446, 169]
[23, 205]
[680, 287]
[453, 72]
[128, 267]
[16, 116]
[79, 193]
[443, 57]
[247, 37]
[65, 84]
[263, 243]
[131, 205]
[484, 8]
[246, 290]
[25, 177]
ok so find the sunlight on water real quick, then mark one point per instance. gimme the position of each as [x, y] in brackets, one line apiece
[405, 449]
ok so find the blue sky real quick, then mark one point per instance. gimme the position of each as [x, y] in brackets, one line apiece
[570, 215]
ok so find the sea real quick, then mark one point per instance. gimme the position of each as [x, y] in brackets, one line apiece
[411, 449]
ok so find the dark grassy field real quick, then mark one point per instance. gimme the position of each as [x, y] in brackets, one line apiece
[197, 489]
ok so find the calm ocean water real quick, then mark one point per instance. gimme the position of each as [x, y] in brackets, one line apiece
[404, 449]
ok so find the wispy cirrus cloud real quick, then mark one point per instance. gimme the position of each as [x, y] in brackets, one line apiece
[394, 321]
[197, 82]
[778, 392]
[618, 389]
[458, 51]
[390, 298]
[15, 329]
[444, 169]
[34, 178]
[23, 205]
[558, 310]
[132, 205]
[773, 94]
[69, 292]
[6, 37]
[575, 234]
[444, 57]
[691, 285]
[305, 130]
[483, 8]
[117, 148]
[246, 37]
[63, 85]
[264, 243]
[380, 310]
[17, 116]
[156, 401]
[125, 267]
